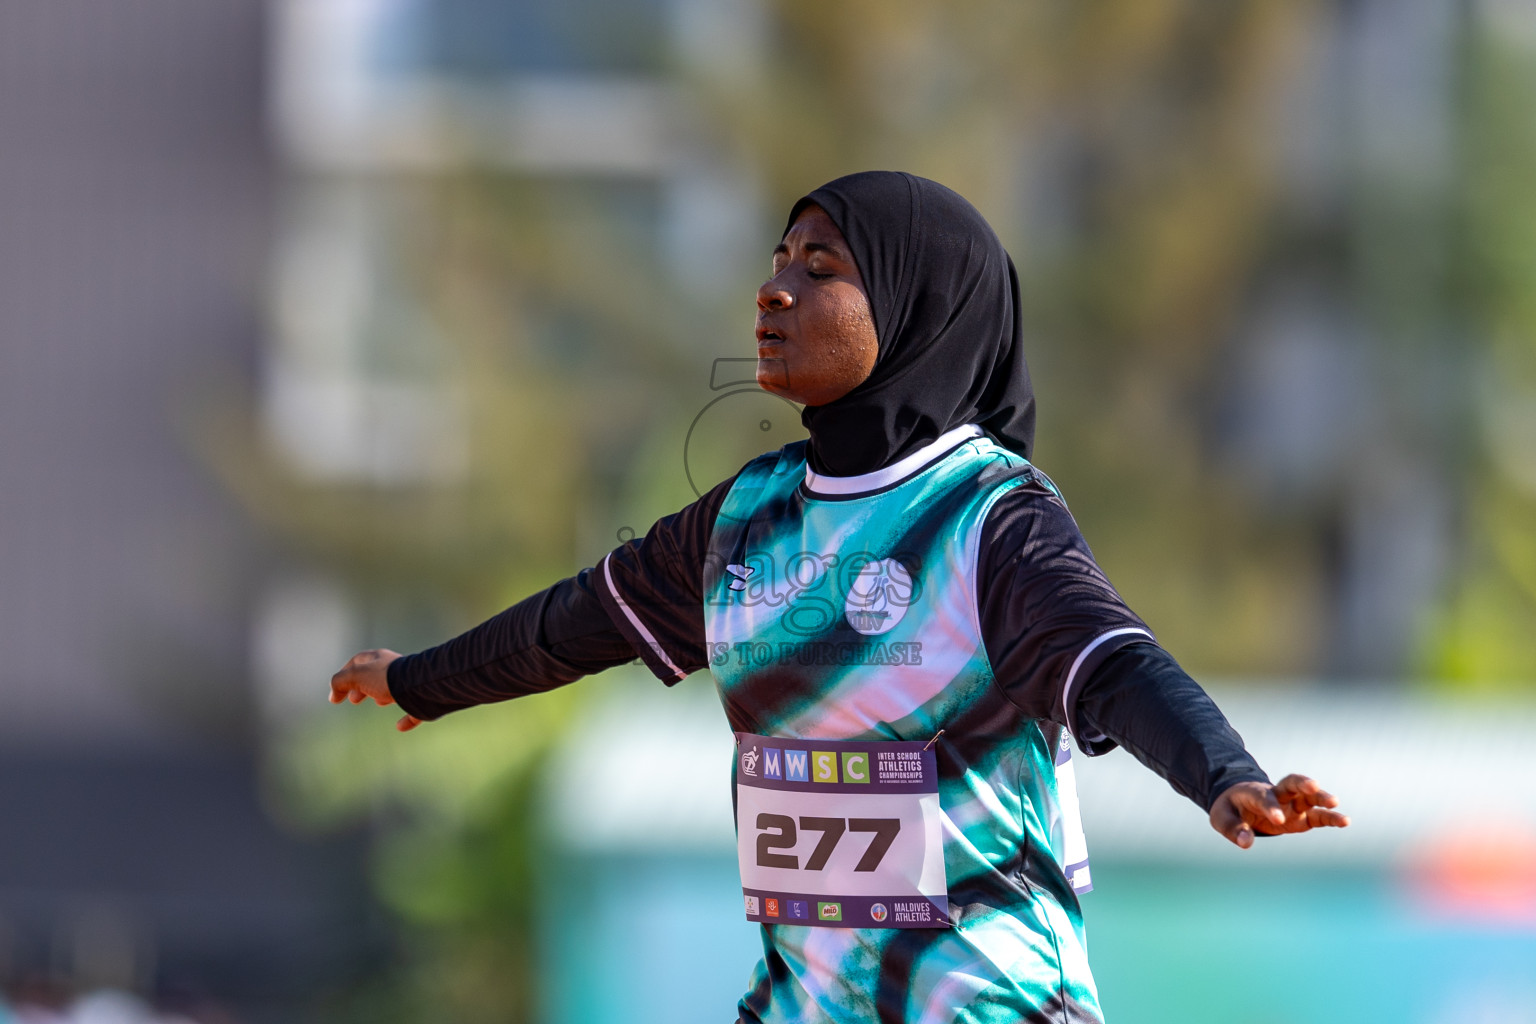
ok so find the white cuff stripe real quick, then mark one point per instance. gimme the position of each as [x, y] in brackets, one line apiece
[629, 614]
[894, 473]
[1066, 690]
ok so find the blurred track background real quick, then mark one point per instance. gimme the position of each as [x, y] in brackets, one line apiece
[327, 324]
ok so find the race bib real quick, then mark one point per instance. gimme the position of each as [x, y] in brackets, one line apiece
[842, 834]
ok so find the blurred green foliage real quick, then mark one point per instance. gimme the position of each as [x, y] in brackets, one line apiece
[1484, 636]
[453, 808]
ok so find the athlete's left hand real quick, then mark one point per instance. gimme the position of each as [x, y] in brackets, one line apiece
[1294, 804]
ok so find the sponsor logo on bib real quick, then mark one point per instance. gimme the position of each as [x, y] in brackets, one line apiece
[829, 911]
[877, 912]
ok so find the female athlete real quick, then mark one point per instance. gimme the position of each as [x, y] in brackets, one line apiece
[906, 630]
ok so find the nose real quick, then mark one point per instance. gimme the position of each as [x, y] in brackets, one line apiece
[773, 295]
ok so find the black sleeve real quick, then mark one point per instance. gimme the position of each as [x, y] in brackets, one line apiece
[645, 598]
[1049, 617]
[547, 640]
[1141, 699]
[653, 588]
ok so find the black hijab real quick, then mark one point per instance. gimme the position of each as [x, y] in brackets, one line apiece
[945, 299]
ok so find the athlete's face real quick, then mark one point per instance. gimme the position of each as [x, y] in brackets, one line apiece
[815, 335]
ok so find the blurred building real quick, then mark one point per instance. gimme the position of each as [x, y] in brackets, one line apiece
[372, 99]
[135, 180]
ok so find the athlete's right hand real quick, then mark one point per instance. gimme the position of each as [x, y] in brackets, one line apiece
[366, 674]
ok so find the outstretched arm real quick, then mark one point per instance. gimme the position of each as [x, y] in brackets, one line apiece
[545, 641]
[1065, 648]
[644, 598]
[1142, 700]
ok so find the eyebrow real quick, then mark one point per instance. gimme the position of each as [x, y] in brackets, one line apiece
[783, 250]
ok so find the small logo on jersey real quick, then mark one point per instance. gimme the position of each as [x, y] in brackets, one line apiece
[796, 766]
[772, 763]
[829, 911]
[877, 912]
[752, 910]
[771, 907]
[879, 597]
[799, 910]
[749, 762]
[742, 574]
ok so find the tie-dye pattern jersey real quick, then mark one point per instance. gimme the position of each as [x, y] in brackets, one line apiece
[855, 617]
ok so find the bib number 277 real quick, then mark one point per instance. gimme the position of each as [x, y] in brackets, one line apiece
[778, 832]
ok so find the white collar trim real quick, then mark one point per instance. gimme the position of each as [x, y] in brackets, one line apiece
[896, 472]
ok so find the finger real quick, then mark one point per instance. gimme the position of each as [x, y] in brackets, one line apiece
[1260, 809]
[1301, 792]
[1322, 817]
[1228, 820]
[1319, 797]
[340, 684]
[356, 696]
[407, 723]
[1294, 784]
[1295, 792]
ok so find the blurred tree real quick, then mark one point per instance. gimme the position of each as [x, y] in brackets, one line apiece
[1486, 634]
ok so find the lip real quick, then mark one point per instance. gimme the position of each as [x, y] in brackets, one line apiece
[767, 336]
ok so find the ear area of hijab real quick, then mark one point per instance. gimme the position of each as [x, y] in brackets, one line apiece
[948, 325]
